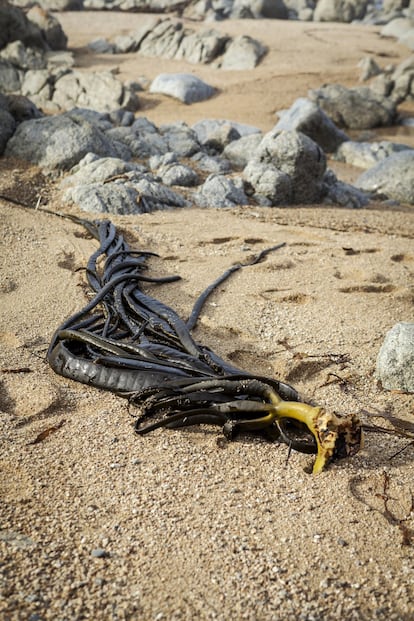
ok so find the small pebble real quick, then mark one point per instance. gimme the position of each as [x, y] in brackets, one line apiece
[99, 553]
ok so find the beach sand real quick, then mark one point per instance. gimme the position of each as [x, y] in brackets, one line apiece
[97, 523]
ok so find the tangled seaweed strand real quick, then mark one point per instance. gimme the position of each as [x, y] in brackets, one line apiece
[128, 342]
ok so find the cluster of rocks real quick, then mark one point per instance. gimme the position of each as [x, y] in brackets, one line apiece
[169, 38]
[34, 63]
[118, 163]
[368, 11]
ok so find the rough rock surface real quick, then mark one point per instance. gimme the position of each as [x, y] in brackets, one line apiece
[356, 108]
[61, 141]
[100, 91]
[220, 191]
[186, 87]
[393, 176]
[242, 53]
[340, 10]
[283, 156]
[307, 117]
[367, 154]
[395, 361]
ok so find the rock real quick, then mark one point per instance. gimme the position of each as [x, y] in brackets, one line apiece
[121, 117]
[407, 39]
[356, 108]
[23, 57]
[242, 53]
[300, 9]
[220, 191]
[94, 169]
[382, 85]
[340, 10]
[393, 176]
[271, 9]
[201, 47]
[395, 361]
[306, 117]
[342, 194]
[239, 151]
[60, 141]
[211, 163]
[369, 68]
[114, 198]
[153, 195]
[367, 154]
[36, 82]
[50, 27]
[101, 46]
[183, 86]
[178, 174]
[10, 78]
[15, 26]
[162, 40]
[100, 91]
[208, 130]
[7, 127]
[403, 80]
[142, 139]
[270, 185]
[295, 155]
[180, 139]
[22, 109]
[396, 27]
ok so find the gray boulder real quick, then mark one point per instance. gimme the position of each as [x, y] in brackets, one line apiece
[407, 39]
[138, 194]
[60, 141]
[343, 194]
[22, 109]
[271, 9]
[369, 68]
[211, 163]
[393, 176]
[356, 108]
[180, 139]
[270, 185]
[307, 117]
[201, 47]
[11, 78]
[395, 361]
[183, 86]
[94, 169]
[178, 174]
[15, 26]
[154, 195]
[23, 57]
[113, 198]
[141, 140]
[163, 40]
[340, 10]
[242, 53]
[211, 131]
[7, 127]
[396, 27]
[403, 80]
[240, 151]
[100, 91]
[295, 155]
[367, 154]
[49, 26]
[220, 191]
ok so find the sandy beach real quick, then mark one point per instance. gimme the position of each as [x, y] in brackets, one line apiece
[97, 523]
